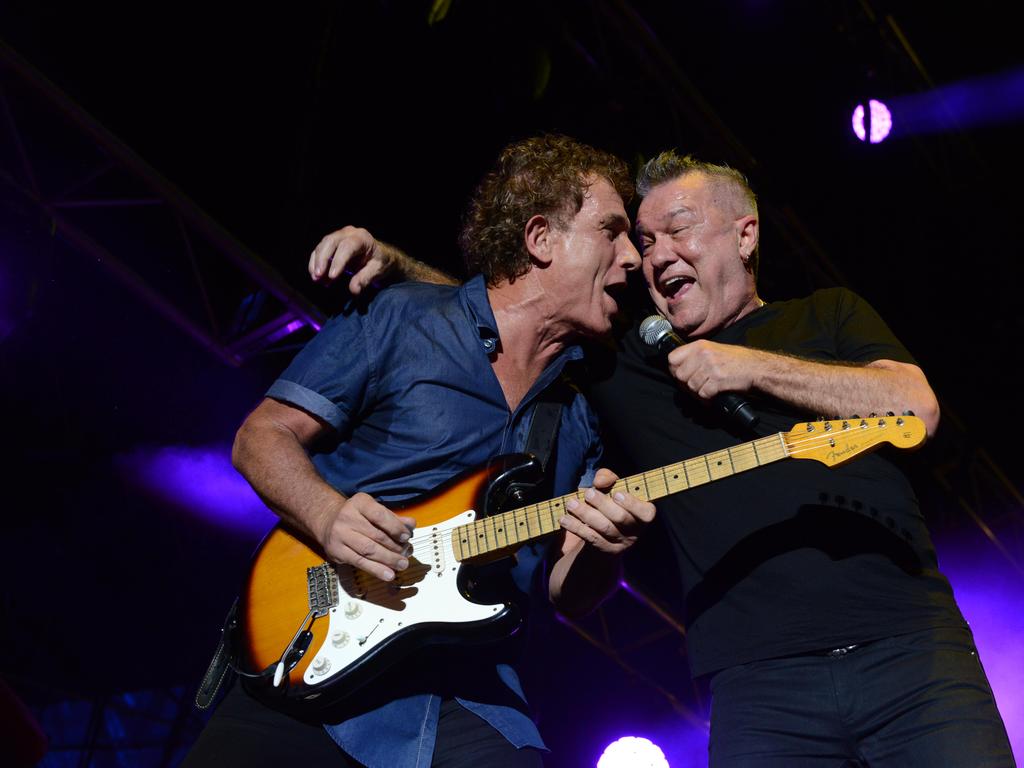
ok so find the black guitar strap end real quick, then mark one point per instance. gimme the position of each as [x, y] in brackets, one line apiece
[220, 664]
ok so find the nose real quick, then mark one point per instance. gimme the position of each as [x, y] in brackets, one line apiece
[660, 252]
[628, 257]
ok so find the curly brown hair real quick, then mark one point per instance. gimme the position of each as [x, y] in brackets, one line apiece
[546, 175]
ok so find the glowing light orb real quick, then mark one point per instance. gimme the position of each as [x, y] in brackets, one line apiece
[880, 119]
[633, 752]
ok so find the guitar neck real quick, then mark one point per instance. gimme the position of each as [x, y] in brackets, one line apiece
[518, 526]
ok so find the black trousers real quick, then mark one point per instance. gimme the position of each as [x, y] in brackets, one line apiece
[244, 732]
[912, 701]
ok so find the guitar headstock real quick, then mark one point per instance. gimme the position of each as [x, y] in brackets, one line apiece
[836, 441]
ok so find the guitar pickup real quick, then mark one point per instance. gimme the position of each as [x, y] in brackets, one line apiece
[322, 583]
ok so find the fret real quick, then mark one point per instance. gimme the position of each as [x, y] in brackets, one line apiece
[492, 524]
[656, 482]
[743, 457]
[755, 445]
[459, 540]
[678, 483]
[556, 509]
[698, 470]
[522, 526]
[716, 465]
[511, 525]
[482, 543]
[546, 518]
[664, 480]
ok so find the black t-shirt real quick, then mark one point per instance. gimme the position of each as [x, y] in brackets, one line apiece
[793, 556]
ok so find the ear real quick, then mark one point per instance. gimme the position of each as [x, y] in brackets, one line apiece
[747, 233]
[537, 236]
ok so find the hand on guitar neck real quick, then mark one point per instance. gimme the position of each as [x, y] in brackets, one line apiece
[599, 527]
[610, 521]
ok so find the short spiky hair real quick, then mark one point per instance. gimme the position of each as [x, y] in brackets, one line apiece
[670, 165]
[546, 175]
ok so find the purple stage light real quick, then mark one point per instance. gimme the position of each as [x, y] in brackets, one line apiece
[858, 122]
[990, 592]
[988, 100]
[632, 752]
[201, 482]
[880, 119]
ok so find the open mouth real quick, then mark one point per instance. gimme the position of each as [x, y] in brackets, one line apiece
[616, 292]
[675, 286]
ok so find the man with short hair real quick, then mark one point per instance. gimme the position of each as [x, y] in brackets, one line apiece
[398, 395]
[813, 599]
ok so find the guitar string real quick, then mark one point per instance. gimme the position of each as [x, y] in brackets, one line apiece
[811, 442]
[804, 444]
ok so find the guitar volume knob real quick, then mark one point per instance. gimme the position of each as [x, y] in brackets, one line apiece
[321, 666]
[339, 639]
[352, 610]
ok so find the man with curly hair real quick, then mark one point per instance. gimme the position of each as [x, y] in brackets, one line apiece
[395, 396]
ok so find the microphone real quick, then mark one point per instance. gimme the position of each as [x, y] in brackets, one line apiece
[657, 332]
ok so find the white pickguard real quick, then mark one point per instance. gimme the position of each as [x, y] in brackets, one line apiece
[371, 611]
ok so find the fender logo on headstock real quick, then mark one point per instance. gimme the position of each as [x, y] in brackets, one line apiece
[850, 448]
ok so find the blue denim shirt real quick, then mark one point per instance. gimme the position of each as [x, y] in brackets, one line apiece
[407, 383]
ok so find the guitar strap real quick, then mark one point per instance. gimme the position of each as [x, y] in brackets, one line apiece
[540, 442]
[220, 664]
[547, 415]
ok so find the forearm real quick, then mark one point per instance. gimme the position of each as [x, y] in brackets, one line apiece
[582, 577]
[278, 468]
[841, 390]
[408, 268]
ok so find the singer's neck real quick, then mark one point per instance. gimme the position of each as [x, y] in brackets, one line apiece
[529, 341]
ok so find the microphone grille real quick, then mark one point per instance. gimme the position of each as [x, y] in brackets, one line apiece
[653, 328]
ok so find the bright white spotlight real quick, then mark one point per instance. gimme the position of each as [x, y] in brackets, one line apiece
[633, 752]
[881, 122]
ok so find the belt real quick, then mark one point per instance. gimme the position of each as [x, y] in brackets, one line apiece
[838, 653]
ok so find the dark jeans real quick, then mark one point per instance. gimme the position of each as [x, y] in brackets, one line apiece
[243, 732]
[920, 699]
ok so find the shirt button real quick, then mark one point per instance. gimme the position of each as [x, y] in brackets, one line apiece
[489, 345]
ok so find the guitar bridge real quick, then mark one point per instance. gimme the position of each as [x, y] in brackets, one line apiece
[323, 589]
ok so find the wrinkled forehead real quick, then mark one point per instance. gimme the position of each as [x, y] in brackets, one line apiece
[681, 196]
[602, 201]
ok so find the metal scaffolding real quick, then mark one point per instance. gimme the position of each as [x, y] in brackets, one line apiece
[111, 206]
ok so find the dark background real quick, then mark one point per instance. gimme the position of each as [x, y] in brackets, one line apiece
[285, 123]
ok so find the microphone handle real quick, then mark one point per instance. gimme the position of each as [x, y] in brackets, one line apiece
[736, 409]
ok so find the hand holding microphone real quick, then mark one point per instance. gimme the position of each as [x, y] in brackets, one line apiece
[657, 332]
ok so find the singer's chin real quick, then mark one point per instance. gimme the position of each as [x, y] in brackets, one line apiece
[622, 320]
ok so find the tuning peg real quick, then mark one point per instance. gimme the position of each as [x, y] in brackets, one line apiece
[889, 413]
[908, 412]
[855, 416]
[872, 415]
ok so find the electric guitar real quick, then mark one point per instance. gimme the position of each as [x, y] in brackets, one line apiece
[310, 632]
